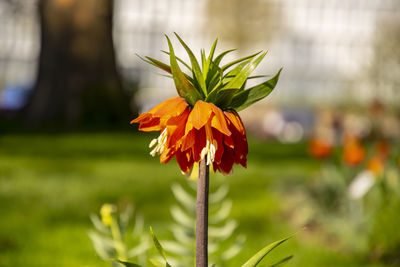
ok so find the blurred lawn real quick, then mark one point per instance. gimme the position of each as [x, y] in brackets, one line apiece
[50, 184]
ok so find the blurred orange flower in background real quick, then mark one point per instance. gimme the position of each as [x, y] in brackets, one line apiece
[319, 148]
[353, 152]
[382, 149]
[191, 134]
[375, 165]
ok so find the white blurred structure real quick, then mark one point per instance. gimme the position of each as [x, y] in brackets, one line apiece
[322, 45]
[19, 42]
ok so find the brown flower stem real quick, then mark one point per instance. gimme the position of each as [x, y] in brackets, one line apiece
[202, 215]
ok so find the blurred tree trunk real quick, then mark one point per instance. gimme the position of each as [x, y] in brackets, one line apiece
[77, 83]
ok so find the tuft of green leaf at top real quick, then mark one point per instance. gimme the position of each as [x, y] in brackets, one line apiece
[241, 77]
[254, 94]
[183, 86]
[207, 63]
[195, 66]
[223, 85]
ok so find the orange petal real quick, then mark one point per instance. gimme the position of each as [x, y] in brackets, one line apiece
[226, 164]
[179, 119]
[235, 120]
[172, 107]
[199, 115]
[218, 121]
[143, 117]
[199, 144]
[228, 141]
[185, 162]
[150, 125]
[165, 106]
[188, 140]
[218, 137]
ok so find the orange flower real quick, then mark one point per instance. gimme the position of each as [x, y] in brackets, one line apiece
[191, 134]
[375, 165]
[382, 148]
[319, 148]
[203, 123]
[353, 153]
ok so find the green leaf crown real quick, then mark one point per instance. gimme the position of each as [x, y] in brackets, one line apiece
[222, 85]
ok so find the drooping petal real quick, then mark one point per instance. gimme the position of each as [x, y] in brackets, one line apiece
[199, 116]
[150, 125]
[185, 161]
[218, 137]
[235, 120]
[156, 118]
[189, 140]
[191, 134]
[142, 117]
[199, 144]
[170, 107]
[173, 108]
[226, 164]
[218, 121]
[239, 139]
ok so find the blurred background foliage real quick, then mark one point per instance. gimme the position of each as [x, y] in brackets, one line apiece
[324, 147]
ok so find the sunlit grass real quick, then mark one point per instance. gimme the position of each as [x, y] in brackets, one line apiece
[50, 184]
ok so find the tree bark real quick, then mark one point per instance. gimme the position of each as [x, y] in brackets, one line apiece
[202, 215]
[77, 81]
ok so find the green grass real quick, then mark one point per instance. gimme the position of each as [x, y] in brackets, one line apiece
[50, 184]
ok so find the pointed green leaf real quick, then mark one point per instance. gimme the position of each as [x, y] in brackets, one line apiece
[248, 97]
[282, 262]
[224, 97]
[180, 60]
[166, 75]
[98, 224]
[162, 66]
[159, 247]
[195, 66]
[216, 81]
[156, 63]
[206, 66]
[203, 59]
[235, 71]
[212, 51]
[183, 86]
[125, 263]
[184, 198]
[156, 263]
[214, 66]
[257, 258]
[239, 60]
[222, 55]
[258, 76]
[239, 80]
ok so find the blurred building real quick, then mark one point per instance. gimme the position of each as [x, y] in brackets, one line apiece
[324, 46]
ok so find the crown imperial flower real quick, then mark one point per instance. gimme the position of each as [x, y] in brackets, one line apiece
[202, 122]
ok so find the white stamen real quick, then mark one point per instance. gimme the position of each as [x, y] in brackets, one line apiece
[159, 142]
[209, 151]
[152, 143]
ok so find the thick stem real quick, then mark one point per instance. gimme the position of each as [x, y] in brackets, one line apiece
[202, 215]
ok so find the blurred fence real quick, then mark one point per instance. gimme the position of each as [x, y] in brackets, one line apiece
[19, 42]
[327, 48]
